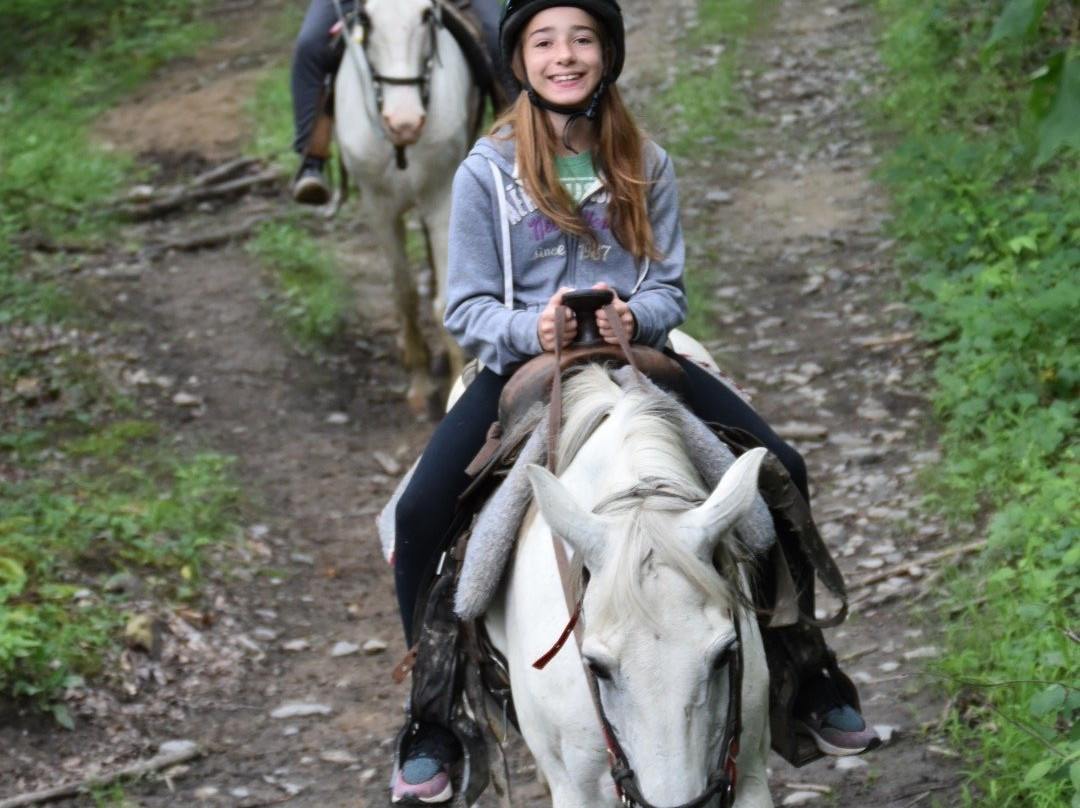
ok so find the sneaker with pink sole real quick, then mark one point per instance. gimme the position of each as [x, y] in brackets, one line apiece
[839, 731]
[424, 776]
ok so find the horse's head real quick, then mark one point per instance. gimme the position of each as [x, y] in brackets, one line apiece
[399, 41]
[660, 631]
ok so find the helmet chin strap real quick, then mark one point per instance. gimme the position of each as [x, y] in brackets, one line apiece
[589, 111]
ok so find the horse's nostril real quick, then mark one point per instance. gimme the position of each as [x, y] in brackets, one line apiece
[404, 133]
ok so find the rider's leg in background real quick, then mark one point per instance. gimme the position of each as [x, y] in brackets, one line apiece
[314, 60]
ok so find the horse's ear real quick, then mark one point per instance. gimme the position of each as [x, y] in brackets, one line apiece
[726, 505]
[582, 529]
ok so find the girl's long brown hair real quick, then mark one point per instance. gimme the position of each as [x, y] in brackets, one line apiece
[619, 160]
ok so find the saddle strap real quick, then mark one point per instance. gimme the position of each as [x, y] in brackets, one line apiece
[555, 410]
[492, 444]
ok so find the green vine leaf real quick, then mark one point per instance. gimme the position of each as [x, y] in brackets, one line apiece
[1039, 771]
[1061, 125]
[1017, 21]
[1048, 701]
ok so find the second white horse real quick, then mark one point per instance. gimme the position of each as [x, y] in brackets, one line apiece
[407, 111]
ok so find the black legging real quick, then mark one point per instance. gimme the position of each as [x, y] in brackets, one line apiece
[716, 402]
[427, 507]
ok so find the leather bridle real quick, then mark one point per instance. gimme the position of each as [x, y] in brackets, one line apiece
[422, 80]
[721, 780]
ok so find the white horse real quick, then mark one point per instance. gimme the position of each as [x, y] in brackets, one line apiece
[406, 112]
[672, 644]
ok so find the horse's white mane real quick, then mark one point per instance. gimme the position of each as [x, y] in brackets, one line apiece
[650, 447]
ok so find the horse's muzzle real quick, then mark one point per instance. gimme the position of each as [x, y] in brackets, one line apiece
[403, 131]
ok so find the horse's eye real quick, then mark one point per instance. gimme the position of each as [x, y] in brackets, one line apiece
[427, 15]
[721, 660]
[599, 670]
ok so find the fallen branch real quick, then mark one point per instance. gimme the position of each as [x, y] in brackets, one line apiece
[906, 567]
[918, 799]
[919, 794]
[155, 205]
[162, 760]
[884, 341]
[224, 171]
[215, 238]
[271, 801]
[817, 789]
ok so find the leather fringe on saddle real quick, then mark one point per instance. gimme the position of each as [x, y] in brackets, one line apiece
[447, 690]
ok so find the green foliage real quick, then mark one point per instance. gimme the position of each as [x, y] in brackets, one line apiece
[701, 106]
[83, 495]
[60, 65]
[313, 296]
[989, 216]
[68, 528]
[110, 796]
[271, 111]
[1028, 585]
[1055, 93]
[123, 36]
[52, 174]
[1018, 20]
[24, 300]
[1055, 100]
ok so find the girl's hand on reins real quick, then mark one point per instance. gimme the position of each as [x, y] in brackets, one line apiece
[625, 316]
[545, 329]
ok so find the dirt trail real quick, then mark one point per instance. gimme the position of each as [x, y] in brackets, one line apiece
[808, 318]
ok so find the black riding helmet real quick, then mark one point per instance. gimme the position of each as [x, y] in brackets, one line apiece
[517, 13]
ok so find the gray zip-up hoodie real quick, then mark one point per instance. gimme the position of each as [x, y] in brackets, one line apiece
[493, 309]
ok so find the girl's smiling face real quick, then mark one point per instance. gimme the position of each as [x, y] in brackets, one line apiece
[563, 55]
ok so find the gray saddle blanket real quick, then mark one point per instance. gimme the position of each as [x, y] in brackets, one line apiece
[496, 527]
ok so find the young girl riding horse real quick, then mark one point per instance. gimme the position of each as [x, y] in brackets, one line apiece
[565, 193]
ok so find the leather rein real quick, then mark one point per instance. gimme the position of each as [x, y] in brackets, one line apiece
[722, 780]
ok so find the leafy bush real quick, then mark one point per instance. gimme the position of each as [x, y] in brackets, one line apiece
[124, 38]
[986, 188]
[82, 495]
[69, 528]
